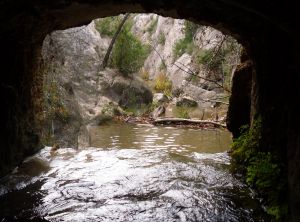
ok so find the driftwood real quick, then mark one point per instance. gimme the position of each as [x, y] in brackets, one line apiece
[186, 121]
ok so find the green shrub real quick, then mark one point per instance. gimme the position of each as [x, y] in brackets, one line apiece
[180, 48]
[182, 112]
[186, 45]
[247, 144]
[129, 53]
[211, 60]
[219, 60]
[110, 109]
[162, 66]
[107, 26]
[190, 30]
[140, 110]
[152, 27]
[263, 170]
[161, 38]
[163, 84]
[53, 104]
[264, 174]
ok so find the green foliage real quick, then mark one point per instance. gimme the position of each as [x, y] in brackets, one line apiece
[278, 211]
[186, 45]
[163, 84]
[54, 106]
[161, 38]
[265, 175]
[263, 170]
[140, 110]
[129, 53]
[182, 112]
[181, 47]
[153, 106]
[219, 61]
[110, 109]
[107, 26]
[131, 98]
[162, 66]
[101, 119]
[194, 79]
[152, 27]
[190, 30]
[210, 59]
[247, 144]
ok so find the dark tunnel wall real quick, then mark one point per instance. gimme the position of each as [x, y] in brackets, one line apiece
[267, 29]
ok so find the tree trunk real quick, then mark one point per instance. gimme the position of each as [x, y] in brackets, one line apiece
[186, 121]
[113, 40]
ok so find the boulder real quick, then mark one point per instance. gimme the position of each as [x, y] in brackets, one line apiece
[202, 96]
[186, 101]
[127, 91]
[160, 98]
[176, 72]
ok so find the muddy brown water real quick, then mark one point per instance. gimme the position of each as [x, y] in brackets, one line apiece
[131, 173]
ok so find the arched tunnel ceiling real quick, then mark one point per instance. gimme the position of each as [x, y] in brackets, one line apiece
[245, 19]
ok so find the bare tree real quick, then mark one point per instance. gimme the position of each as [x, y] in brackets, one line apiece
[113, 40]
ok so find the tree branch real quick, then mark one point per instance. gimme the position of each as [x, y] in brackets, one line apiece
[190, 72]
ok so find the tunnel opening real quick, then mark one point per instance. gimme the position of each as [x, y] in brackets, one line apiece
[157, 68]
[256, 25]
[188, 65]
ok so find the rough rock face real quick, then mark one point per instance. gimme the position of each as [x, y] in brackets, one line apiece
[256, 24]
[207, 37]
[73, 59]
[204, 98]
[186, 102]
[163, 52]
[160, 98]
[171, 29]
[125, 91]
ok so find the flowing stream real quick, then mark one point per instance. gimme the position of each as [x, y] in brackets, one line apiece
[131, 173]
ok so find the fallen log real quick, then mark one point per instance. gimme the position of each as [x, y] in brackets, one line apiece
[186, 121]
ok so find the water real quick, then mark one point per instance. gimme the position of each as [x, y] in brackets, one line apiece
[132, 173]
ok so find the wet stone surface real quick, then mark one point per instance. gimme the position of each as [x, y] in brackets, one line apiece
[132, 173]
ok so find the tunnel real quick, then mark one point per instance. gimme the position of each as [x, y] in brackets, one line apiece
[266, 84]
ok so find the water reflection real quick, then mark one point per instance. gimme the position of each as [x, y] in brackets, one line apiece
[141, 173]
[160, 138]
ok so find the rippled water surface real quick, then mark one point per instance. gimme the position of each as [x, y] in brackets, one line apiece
[132, 173]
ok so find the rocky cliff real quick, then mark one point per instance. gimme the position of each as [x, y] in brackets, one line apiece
[76, 91]
[172, 54]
